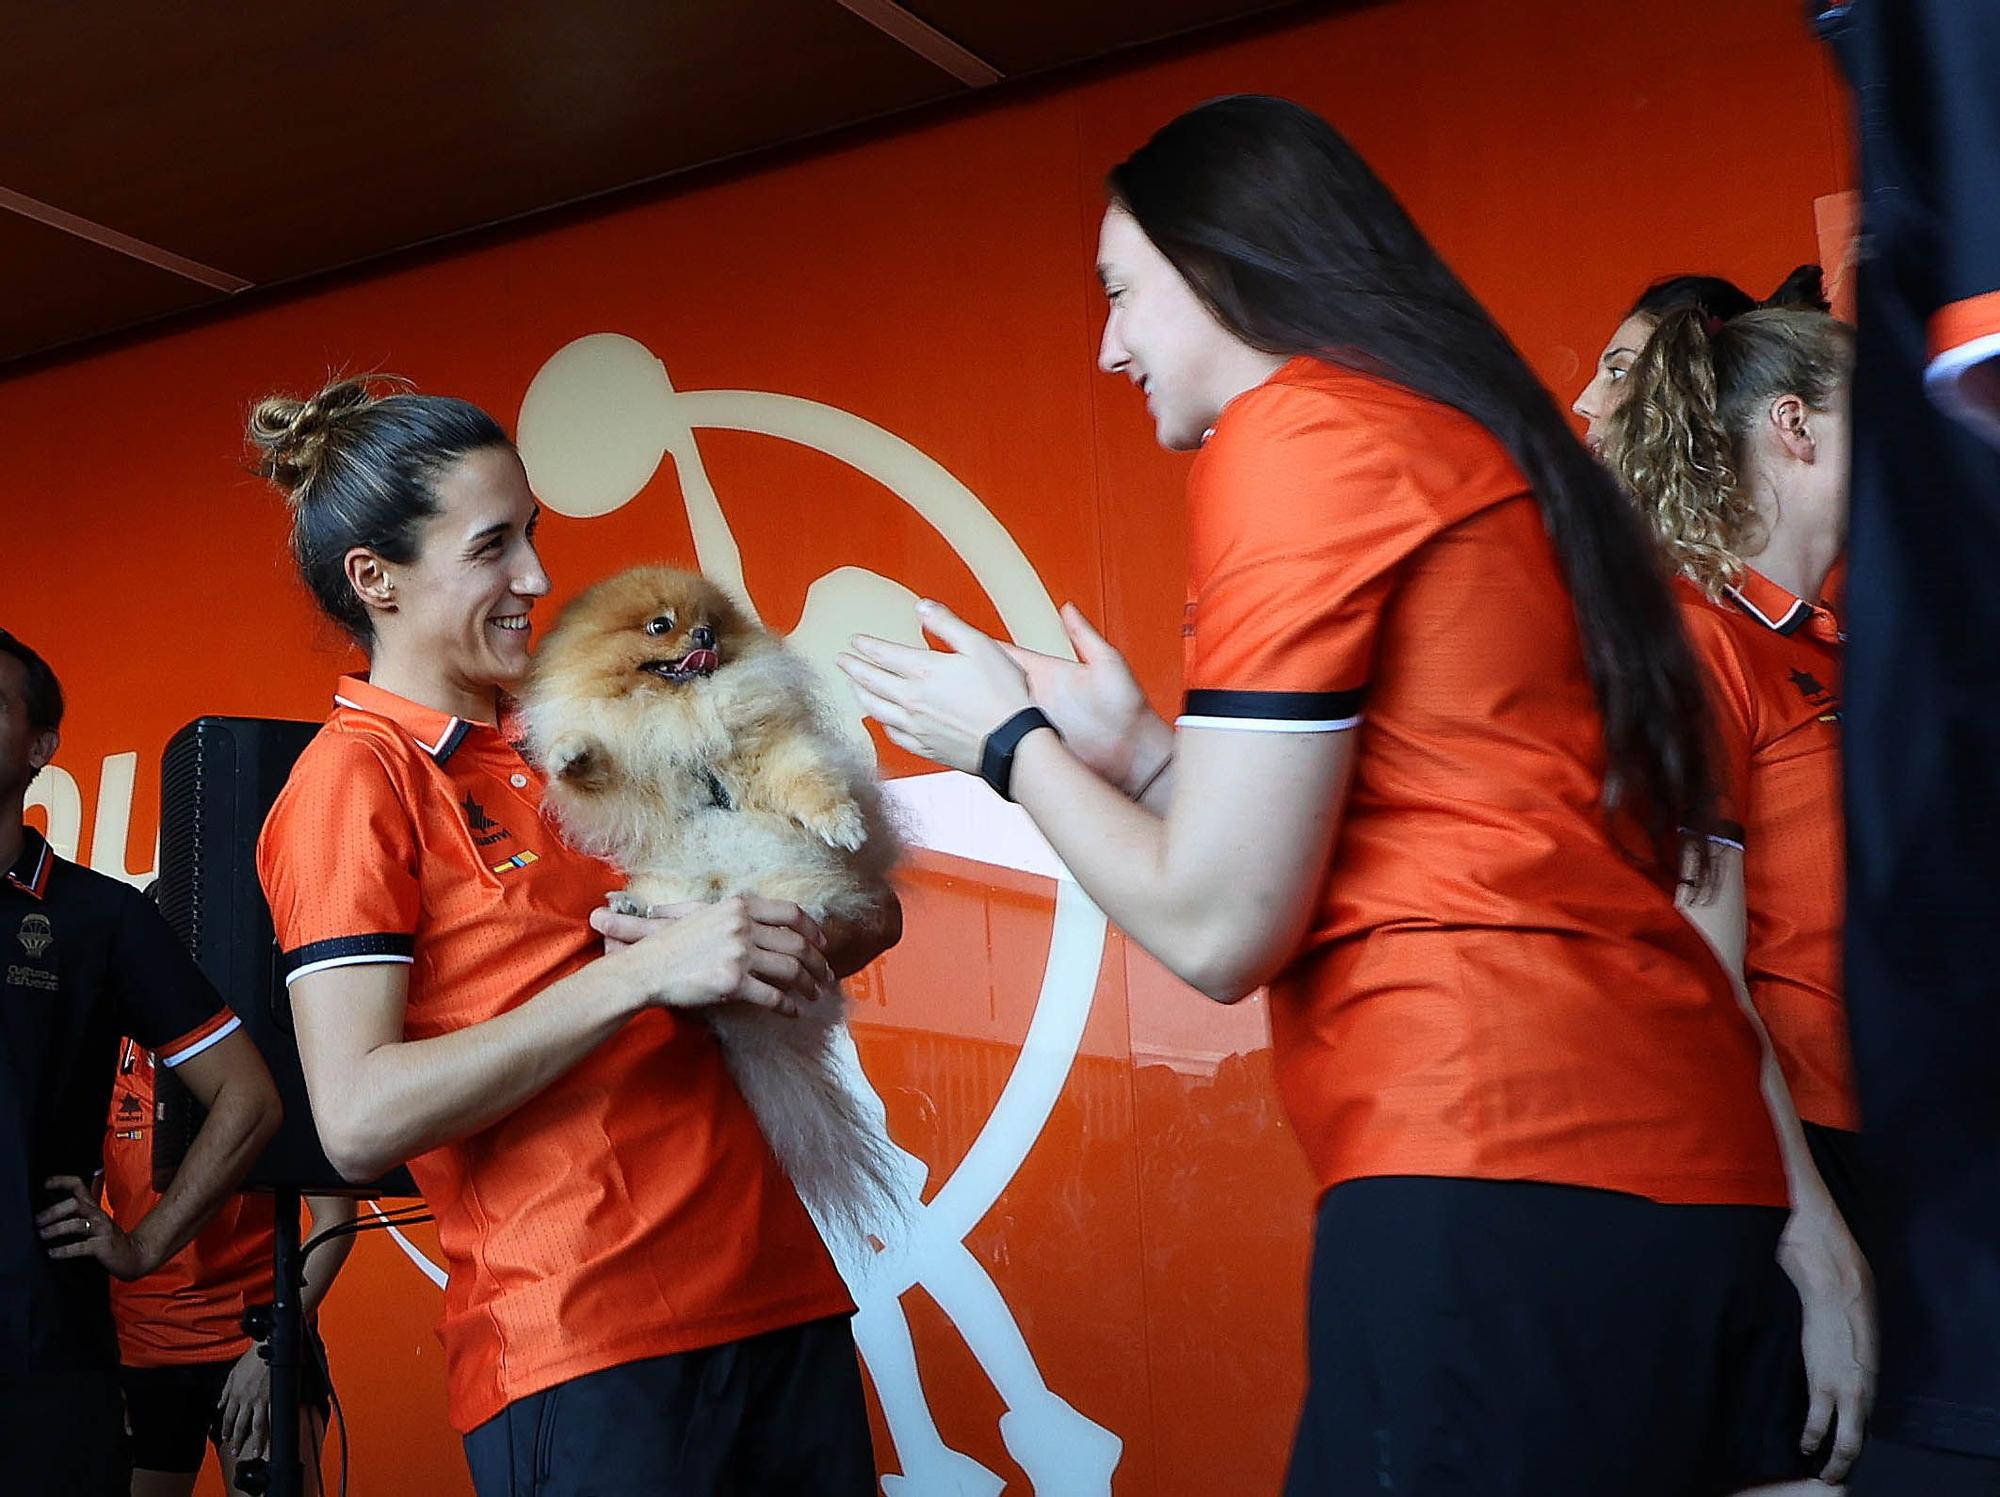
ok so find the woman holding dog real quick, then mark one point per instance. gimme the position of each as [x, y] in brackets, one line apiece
[637, 1301]
[1443, 749]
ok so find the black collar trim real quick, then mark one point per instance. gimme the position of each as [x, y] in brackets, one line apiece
[30, 872]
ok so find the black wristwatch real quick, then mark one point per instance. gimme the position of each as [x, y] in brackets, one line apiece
[996, 757]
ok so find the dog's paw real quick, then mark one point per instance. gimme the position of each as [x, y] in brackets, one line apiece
[578, 762]
[839, 824]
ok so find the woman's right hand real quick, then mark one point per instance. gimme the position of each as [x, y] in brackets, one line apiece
[1097, 705]
[738, 950]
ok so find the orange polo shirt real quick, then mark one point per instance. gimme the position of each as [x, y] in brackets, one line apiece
[1773, 662]
[1488, 988]
[189, 1309]
[629, 1210]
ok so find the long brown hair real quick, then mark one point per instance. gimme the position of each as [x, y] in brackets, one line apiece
[1692, 399]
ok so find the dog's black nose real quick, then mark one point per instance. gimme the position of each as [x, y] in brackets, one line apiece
[703, 637]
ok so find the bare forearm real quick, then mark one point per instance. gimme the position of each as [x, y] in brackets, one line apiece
[324, 1264]
[321, 1269]
[1722, 919]
[408, 1096]
[1118, 852]
[241, 1118]
[1802, 1177]
[1151, 781]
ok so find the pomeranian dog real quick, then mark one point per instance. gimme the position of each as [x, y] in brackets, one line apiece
[686, 745]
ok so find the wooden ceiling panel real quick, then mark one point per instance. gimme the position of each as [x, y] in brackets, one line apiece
[263, 141]
[1029, 36]
[60, 288]
[275, 140]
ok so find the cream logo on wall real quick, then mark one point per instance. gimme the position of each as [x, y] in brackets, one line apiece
[596, 424]
[55, 790]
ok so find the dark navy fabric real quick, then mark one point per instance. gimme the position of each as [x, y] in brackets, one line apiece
[1922, 727]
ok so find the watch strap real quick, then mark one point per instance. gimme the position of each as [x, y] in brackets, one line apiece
[996, 755]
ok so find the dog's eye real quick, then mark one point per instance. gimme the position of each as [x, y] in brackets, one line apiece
[664, 624]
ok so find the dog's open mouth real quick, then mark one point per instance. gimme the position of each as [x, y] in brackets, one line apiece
[687, 668]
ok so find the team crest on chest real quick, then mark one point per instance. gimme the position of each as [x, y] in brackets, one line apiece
[35, 935]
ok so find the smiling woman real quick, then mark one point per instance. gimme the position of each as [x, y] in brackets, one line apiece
[456, 1007]
[361, 471]
[1534, 1252]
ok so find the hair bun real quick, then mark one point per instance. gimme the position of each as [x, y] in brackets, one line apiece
[291, 435]
[1804, 290]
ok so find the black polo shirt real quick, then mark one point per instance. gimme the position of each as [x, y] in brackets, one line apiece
[84, 960]
[1922, 715]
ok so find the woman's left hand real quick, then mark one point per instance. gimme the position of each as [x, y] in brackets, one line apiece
[941, 704]
[243, 1413]
[1836, 1296]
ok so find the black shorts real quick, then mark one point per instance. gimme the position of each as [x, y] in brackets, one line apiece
[781, 1412]
[1516, 1339]
[172, 1410]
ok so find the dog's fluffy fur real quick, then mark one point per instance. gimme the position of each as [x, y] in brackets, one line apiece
[643, 723]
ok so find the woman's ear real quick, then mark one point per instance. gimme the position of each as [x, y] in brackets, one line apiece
[1791, 424]
[369, 576]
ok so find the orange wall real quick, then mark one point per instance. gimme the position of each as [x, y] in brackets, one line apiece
[937, 281]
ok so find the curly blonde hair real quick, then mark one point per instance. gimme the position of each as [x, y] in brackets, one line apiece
[1695, 395]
